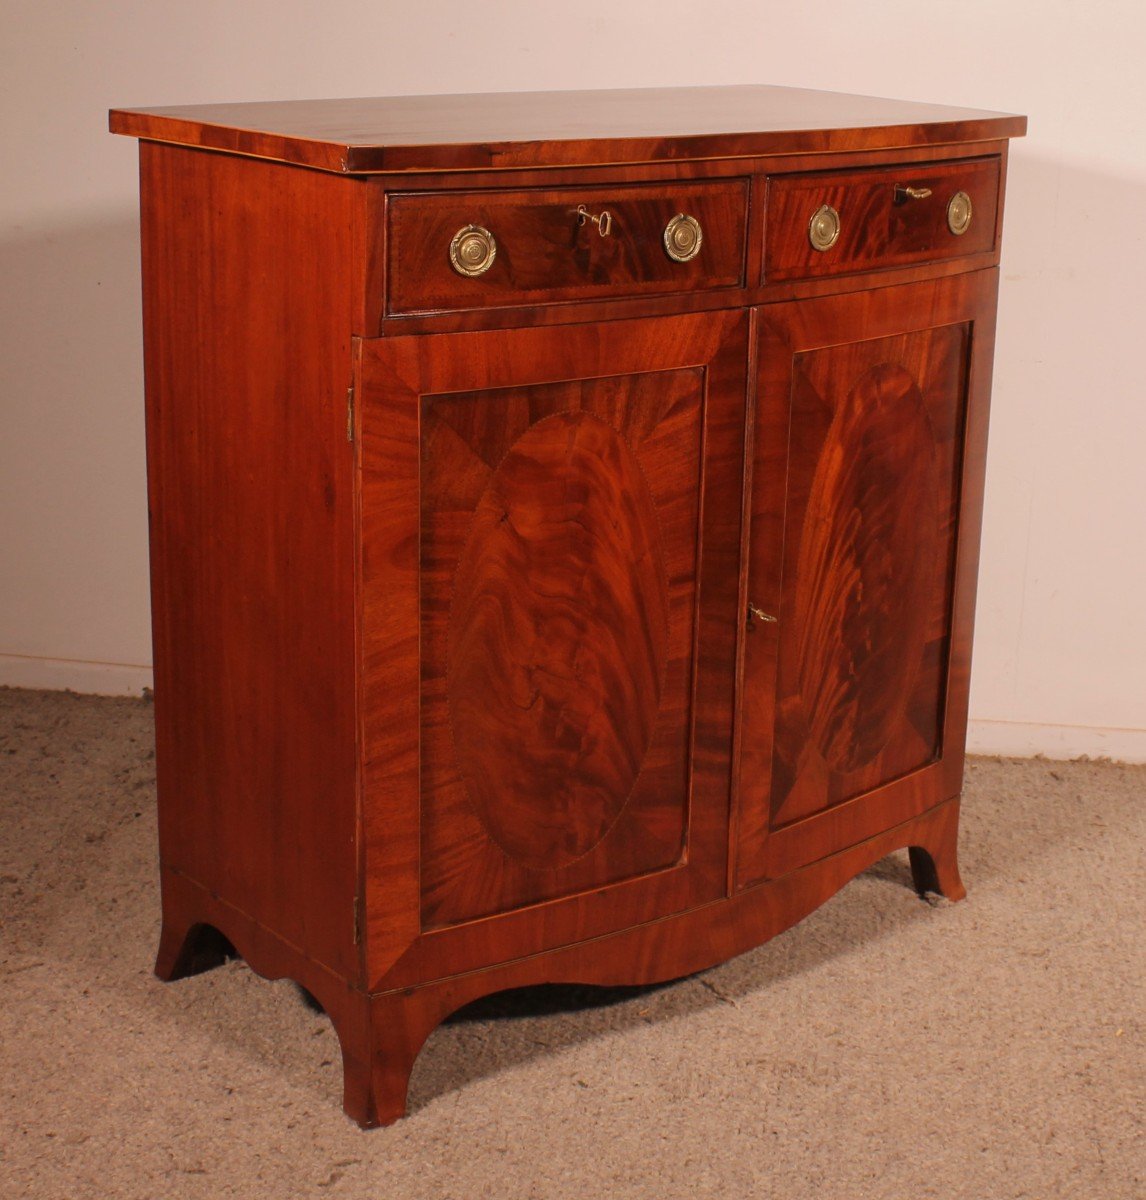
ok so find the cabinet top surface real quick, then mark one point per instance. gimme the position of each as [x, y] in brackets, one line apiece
[540, 129]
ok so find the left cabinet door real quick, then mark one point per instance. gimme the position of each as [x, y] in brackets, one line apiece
[550, 523]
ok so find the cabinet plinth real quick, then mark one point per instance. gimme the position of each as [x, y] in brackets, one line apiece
[589, 617]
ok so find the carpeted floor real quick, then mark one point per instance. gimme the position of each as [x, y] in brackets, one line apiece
[885, 1047]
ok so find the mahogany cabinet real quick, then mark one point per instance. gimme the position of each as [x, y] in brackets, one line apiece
[564, 528]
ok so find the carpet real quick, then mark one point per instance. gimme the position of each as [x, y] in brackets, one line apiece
[886, 1047]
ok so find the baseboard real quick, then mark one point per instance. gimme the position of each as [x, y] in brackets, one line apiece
[73, 675]
[1014, 739]
[1018, 739]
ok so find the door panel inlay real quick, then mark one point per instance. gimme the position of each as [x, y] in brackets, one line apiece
[866, 564]
[873, 491]
[558, 640]
[559, 552]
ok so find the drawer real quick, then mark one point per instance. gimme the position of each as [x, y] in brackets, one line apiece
[876, 220]
[531, 247]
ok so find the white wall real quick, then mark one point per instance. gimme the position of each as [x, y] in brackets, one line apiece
[1061, 647]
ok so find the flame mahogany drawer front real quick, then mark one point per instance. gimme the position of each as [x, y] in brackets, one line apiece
[602, 626]
[890, 217]
[546, 251]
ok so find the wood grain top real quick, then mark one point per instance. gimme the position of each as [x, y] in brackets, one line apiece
[531, 129]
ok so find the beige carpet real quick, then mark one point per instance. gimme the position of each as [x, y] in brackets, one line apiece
[885, 1047]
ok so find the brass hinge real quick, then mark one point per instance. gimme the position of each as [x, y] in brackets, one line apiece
[357, 921]
[350, 413]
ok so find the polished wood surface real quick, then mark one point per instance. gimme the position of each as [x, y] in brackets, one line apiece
[547, 255]
[564, 660]
[610, 296]
[523, 129]
[879, 226]
[803, 807]
[251, 499]
[872, 496]
[565, 506]
[466, 676]
[559, 625]
[851, 708]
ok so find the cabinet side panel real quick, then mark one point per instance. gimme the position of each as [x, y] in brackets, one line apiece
[248, 271]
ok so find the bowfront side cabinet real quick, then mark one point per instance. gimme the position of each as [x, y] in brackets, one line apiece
[563, 545]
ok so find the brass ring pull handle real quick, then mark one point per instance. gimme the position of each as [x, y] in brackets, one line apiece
[472, 250]
[603, 220]
[903, 194]
[959, 213]
[683, 237]
[758, 614]
[824, 228]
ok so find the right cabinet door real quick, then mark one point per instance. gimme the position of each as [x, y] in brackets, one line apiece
[865, 499]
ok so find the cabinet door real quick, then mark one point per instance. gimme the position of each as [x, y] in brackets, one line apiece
[869, 440]
[550, 526]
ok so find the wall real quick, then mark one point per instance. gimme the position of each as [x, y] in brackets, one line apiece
[1061, 639]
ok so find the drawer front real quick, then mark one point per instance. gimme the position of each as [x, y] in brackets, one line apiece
[545, 251]
[890, 217]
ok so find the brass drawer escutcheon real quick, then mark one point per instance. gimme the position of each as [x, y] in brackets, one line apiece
[472, 250]
[959, 213]
[824, 228]
[683, 238]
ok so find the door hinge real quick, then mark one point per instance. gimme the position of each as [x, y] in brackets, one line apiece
[350, 413]
[357, 921]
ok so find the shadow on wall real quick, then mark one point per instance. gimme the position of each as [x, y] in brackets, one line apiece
[1058, 633]
[72, 317]
[73, 506]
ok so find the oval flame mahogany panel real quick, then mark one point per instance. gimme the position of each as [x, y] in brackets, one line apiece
[558, 640]
[867, 563]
